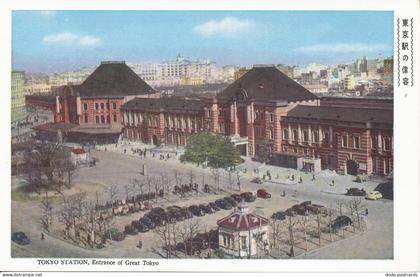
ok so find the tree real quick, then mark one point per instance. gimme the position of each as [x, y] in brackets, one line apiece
[187, 231]
[46, 216]
[47, 163]
[356, 206]
[263, 154]
[210, 149]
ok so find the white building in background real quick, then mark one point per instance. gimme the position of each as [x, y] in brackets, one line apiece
[70, 77]
[177, 72]
[243, 234]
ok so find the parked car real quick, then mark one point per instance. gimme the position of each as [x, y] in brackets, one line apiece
[300, 209]
[279, 215]
[174, 214]
[341, 221]
[206, 209]
[186, 213]
[236, 197]
[223, 204]
[317, 209]
[148, 222]
[248, 196]
[374, 195]
[291, 212]
[157, 219]
[130, 230]
[230, 201]
[306, 203]
[116, 235]
[201, 241]
[262, 193]
[195, 210]
[157, 210]
[214, 206]
[20, 238]
[257, 180]
[356, 192]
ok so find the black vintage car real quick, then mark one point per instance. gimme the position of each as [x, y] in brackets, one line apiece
[214, 206]
[231, 201]
[279, 215]
[148, 222]
[236, 197]
[130, 230]
[341, 221]
[223, 204]
[206, 209]
[20, 238]
[141, 227]
[248, 196]
[355, 192]
[195, 210]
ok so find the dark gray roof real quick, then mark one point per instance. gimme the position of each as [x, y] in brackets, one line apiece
[113, 79]
[169, 104]
[267, 83]
[356, 115]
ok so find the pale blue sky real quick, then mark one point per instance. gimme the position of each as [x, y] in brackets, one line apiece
[64, 40]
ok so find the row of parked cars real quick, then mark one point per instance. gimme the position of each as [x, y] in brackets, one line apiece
[373, 195]
[159, 216]
[306, 208]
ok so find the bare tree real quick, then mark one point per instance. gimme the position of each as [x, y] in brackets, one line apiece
[112, 192]
[303, 222]
[290, 225]
[46, 208]
[163, 232]
[128, 190]
[186, 232]
[215, 173]
[355, 206]
[276, 231]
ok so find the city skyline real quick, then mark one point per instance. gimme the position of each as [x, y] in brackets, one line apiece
[54, 41]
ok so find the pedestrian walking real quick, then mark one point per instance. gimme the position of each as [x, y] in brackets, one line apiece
[366, 212]
[284, 193]
[42, 236]
[313, 177]
[300, 179]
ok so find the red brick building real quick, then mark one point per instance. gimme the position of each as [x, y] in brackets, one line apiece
[94, 106]
[265, 108]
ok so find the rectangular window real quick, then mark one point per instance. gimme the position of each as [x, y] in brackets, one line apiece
[97, 119]
[305, 135]
[85, 106]
[374, 142]
[102, 119]
[344, 141]
[316, 136]
[115, 118]
[102, 106]
[326, 137]
[86, 119]
[271, 117]
[387, 144]
[243, 242]
[285, 134]
[107, 105]
[114, 105]
[356, 142]
[295, 135]
[96, 106]
[271, 133]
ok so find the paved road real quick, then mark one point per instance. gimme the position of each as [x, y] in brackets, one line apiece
[114, 167]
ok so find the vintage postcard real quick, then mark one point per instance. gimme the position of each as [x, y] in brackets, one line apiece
[257, 138]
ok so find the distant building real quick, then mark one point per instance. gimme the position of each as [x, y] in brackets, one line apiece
[348, 82]
[18, 97]
[243, 234]
[316, 88]
[37, 89]
[389, 68]
[240, 72]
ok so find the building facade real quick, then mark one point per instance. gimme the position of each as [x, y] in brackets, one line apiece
[18, 111]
